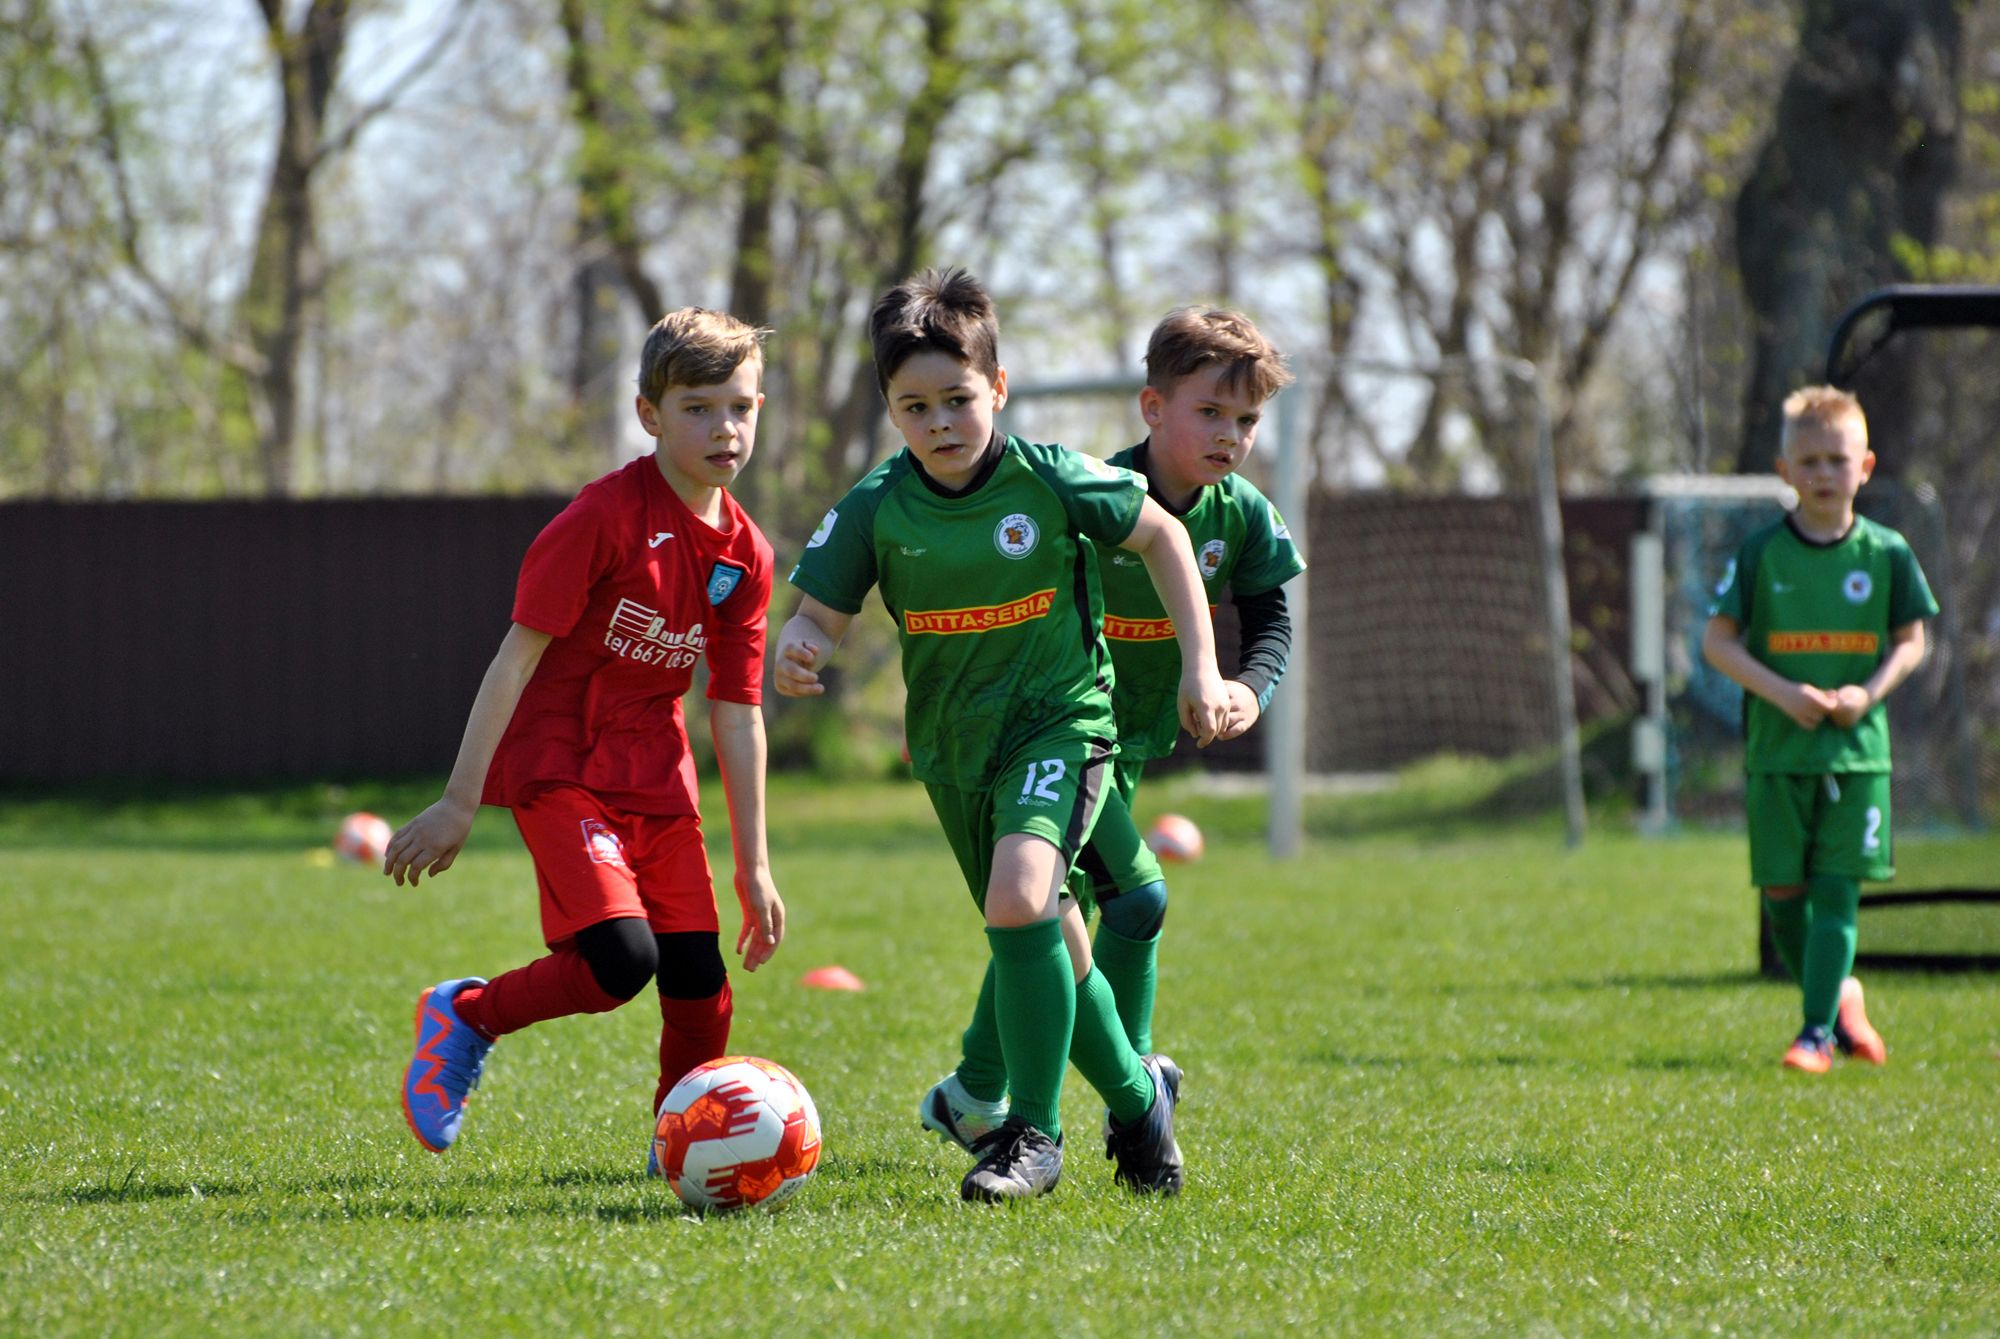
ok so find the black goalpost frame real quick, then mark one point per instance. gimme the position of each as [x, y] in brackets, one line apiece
[1908, 307]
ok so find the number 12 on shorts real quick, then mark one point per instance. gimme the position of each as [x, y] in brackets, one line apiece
[1052, 771]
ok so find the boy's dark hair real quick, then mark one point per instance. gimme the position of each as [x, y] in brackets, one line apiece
[939, 311]
[1191, 338]
[696, 347]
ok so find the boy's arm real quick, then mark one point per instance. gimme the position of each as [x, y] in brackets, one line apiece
[806, 642]
[738, 729]
[1722, 646]
[1906, 652]
[1162, 542]
[1267, 646]
[428, 843]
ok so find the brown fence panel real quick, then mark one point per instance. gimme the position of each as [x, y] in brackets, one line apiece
[237, 641]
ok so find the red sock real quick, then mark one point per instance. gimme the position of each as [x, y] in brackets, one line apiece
[692, 1032]
[552, 987]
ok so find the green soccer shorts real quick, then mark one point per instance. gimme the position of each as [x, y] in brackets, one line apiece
[1117, 859]
[1835, 823]
[1052, 788]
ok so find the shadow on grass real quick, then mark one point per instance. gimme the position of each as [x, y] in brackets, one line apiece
[1441, 1063]
[1662, 981]
[135, 1189]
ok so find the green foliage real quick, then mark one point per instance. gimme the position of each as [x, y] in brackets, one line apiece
[1436, 1085]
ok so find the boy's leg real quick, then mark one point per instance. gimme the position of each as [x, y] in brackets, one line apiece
[1790, 915]
[601, 956]
[1034, 985]
[1850, 843]
[1778, 809]
[678, 889]
[1131, 896]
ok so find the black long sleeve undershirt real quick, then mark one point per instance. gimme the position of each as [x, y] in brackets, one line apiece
[1266, 643]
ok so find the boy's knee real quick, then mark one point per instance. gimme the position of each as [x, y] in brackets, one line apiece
[690, 965]
[1138, 914]
[621, 955]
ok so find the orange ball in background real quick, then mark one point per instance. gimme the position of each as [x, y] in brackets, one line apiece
[1174, 839]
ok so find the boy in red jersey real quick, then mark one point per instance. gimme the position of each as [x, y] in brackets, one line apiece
[577, 728]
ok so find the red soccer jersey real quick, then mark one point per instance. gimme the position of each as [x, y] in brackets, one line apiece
[634, 588]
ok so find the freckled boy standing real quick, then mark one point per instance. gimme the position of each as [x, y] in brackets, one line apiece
[1819, 618]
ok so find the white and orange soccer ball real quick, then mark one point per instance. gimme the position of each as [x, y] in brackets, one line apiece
[1174, 839]
[362, 838]
[737, 1132]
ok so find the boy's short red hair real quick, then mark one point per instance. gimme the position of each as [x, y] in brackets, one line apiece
[1191, 338]
[696, 347]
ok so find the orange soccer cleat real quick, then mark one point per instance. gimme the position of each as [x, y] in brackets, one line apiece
[1812, 1053]
[1852, 1032]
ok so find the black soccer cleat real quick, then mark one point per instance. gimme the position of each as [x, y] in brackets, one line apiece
[1016, 1162]
[1148, 1158]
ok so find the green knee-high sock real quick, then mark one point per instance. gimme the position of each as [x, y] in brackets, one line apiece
[1789, 917]
[982, 1065]
[1101, 1053]
[1034, 1000]
[1829, 957]
[1130, 966]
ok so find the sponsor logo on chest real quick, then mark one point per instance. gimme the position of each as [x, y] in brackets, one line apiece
[640, 634]
[1823, 643]
[979, 618]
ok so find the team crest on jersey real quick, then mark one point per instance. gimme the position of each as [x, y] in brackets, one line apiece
[1210, 558]
[1279, 529]
[723, 578]
[1015, 536]
[825, 531]
[602, 844]
[1858, 586]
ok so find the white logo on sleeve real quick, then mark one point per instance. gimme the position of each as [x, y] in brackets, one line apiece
[825, 531]
[1728, 578]
[1279, 529]
[1015, 536]
[1858, 586]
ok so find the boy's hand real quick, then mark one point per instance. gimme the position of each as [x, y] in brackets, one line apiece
[428, 843]
[1850, 704]
[796, 671]
[1204, 705]
[1243, 709]
[1806, 705]
[763, 919]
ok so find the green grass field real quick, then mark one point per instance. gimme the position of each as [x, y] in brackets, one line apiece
[1442, 1079]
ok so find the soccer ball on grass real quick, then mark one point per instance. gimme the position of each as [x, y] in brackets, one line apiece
[737, 1132]
[362, 838]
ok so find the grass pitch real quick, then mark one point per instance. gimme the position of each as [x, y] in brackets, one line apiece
[1442, 1078]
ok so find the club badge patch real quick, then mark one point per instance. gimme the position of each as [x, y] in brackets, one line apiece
[723, 578]
[1858, 586]
[1210, 558]
[1015, 536]
[602, 843]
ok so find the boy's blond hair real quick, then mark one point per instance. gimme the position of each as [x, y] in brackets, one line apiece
[1191, 338]
[1820, 407]
[696, 347]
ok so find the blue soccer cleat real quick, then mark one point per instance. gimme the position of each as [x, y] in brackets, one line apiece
[445, 1067]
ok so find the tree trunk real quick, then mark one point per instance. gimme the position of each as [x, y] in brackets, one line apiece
[1864, 146]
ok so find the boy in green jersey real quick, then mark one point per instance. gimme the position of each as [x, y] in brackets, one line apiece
[1820, 617]
[980, 546]
[1208, 376]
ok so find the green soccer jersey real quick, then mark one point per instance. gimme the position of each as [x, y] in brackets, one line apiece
[1821, 614]
[1240, 542]
[995, 595]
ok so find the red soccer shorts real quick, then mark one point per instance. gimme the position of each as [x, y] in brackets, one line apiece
[594, 861]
